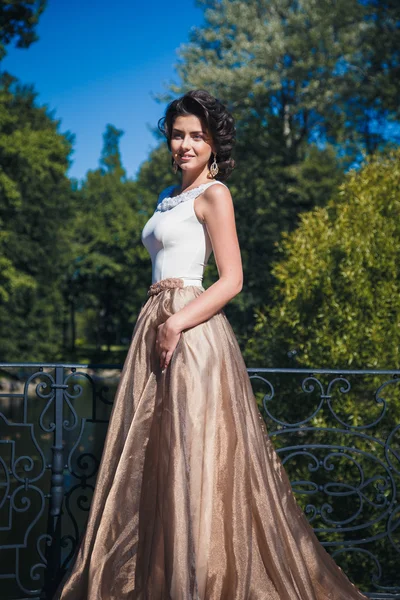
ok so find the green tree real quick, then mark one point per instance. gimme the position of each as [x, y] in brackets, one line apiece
[309, 68]
[35, 206]
[18, 20]
[378, 66]
[338, 279]
[110, 271]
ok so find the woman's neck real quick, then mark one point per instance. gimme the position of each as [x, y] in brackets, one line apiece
[189, 181]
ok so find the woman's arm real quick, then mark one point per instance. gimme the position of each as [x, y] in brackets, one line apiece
[215, 209]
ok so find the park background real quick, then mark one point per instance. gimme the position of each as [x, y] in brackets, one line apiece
[314, 88]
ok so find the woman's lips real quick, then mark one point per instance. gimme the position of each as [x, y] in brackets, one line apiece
[186, 157]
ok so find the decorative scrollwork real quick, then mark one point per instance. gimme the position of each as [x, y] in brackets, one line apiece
[338, 453]
[337, 433]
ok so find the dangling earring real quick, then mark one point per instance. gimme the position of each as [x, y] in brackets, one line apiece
[214, 167]
[175, 165]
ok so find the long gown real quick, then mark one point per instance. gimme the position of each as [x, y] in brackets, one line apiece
[191, 501]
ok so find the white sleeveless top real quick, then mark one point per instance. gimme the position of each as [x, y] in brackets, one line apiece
[179, 245]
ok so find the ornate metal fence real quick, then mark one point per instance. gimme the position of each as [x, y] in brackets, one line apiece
[337, 433]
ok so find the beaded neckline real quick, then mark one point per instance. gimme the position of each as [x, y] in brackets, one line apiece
[168, 202]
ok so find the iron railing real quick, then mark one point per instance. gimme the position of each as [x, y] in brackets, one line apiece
[337, 433]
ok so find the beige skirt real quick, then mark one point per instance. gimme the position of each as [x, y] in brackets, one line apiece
[191, 499]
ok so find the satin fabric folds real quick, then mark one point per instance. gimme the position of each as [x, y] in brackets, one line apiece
[191, 500]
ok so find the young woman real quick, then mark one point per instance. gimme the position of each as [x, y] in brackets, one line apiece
[191, 500]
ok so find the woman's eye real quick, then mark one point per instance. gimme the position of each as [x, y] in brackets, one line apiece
[196, 136]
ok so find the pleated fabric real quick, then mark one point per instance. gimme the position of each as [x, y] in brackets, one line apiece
[191, 501]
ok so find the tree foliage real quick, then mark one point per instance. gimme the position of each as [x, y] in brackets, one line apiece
[338, 279]
[305, 82]
[318, 69]
[18, 20]
[109, 270]
[35, 206]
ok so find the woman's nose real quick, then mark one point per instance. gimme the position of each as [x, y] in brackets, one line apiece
[186, 145]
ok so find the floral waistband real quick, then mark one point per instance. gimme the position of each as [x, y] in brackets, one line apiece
[165, 284]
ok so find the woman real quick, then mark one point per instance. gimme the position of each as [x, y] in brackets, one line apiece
[191, 499]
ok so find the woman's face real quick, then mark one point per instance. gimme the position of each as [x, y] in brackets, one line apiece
[191, 146]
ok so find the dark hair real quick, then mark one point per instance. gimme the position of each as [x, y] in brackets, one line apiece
[218, 121]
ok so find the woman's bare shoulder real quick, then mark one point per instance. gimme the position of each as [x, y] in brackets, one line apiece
[215, 197]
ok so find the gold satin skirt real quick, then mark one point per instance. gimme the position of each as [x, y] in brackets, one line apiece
[191, 501]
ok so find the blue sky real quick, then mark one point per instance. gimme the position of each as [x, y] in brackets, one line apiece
[98, 62]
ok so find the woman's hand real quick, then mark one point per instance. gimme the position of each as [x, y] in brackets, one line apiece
[167, 340]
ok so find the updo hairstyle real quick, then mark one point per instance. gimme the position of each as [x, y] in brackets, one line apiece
[214, 118]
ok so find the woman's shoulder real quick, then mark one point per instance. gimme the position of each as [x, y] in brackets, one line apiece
[215, 198]
[218, 181]
[217, 191]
